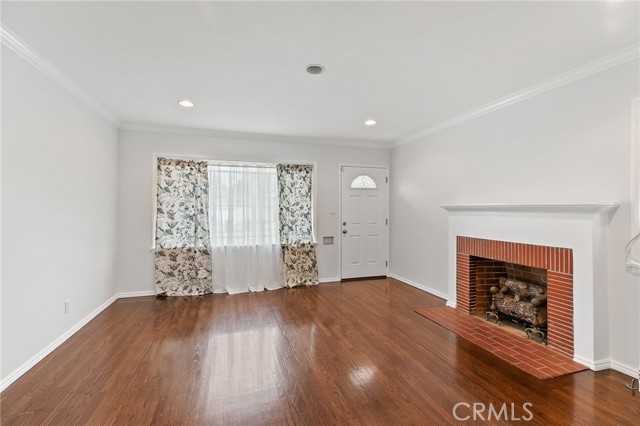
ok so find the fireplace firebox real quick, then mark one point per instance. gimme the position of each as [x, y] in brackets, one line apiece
[530, 283]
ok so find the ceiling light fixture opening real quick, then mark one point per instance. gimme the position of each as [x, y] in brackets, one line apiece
[315, 69]
[185, 103]
[370, 122]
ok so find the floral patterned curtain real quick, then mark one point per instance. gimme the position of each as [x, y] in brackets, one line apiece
[296, 233]
[182, 256]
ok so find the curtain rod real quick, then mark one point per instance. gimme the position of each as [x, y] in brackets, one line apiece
[189, 157]
[256, 165]
[248, 165]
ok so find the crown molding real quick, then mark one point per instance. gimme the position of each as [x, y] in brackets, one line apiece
[224, 134]
[534, 208]
[604, 63]
[29, 54]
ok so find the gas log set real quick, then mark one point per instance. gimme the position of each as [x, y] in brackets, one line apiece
[521, 302]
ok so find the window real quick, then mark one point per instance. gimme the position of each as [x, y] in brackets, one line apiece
[257, 233]
[363, 182]
[243, 204]
[244, 227]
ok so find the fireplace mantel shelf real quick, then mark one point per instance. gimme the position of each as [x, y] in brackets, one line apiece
[534, 208]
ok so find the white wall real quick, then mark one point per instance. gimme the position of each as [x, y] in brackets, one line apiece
[571, 145]
[136, 170]
[59, 183]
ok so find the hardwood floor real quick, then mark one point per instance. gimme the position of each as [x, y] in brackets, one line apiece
[353, 353]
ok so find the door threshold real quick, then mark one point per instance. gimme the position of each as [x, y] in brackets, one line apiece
[376, 277]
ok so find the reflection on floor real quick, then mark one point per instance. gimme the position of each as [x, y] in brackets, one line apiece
[351, 353]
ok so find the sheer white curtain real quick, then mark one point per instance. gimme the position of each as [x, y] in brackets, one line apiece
[244, 228]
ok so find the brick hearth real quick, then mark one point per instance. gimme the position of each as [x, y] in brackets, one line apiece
[533, 358]
[557, 261]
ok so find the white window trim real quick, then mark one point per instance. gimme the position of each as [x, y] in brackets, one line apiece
[631, 264]
[635, 166]
[154, 183]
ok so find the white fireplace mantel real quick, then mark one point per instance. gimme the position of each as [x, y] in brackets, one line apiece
[534, 208]
[579, 227]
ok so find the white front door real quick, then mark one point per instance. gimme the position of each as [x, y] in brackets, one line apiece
[364, 221]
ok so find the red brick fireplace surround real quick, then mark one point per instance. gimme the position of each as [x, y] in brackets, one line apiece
[557, 261]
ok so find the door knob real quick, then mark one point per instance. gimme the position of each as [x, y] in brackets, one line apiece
[344, 231]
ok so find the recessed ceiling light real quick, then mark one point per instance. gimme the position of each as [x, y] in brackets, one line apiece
[185, 103]
[370, 123]
[315, 69]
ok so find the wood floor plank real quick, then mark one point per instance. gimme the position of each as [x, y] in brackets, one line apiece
[352, 353]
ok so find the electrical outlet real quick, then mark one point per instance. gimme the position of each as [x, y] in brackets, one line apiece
[67, 306]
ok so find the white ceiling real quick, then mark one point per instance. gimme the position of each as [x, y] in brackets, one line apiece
[409, 65]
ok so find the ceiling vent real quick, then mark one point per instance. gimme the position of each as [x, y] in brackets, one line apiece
[315, 69]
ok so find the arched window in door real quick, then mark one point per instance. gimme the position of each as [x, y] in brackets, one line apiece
[363, 182]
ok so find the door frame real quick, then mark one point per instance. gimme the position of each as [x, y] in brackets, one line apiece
[371, 166]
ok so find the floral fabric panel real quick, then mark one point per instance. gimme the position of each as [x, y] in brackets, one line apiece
[300, 264]
[296, 232]
[182, 256]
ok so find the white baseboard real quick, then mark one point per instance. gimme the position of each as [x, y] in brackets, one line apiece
[451, 304]
[606, 364]
[419, 286]
[136, 294]
[624, 369]
[329, 280]
[599, 365]
[15, 375]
